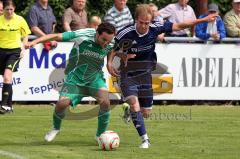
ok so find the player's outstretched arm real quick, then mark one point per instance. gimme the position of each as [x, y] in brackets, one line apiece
[188, 24]
[49, 37]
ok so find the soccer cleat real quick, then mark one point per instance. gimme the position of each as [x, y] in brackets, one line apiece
[51, 135]
[126, 113]
[5, 109]
[145, 144]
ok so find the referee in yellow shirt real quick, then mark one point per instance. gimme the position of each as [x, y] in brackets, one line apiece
[13, 29]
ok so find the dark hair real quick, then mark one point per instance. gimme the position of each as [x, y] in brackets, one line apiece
[8, 3]
[106, 27]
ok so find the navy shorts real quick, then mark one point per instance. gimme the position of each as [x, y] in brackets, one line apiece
[9, 59]
[137, 84]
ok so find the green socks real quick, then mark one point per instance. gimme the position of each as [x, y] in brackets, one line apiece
[103, 121]
[57, 119]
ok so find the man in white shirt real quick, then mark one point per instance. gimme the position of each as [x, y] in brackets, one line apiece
[177, 13]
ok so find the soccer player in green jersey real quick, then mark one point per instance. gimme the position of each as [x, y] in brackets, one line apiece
[84, 75]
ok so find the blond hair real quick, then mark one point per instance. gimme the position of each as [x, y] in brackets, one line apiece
[94, 22]
[152, 5]
[143, 9]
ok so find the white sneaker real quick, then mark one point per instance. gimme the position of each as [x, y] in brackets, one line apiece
[51, 135]
[145, 144]
[5, 109]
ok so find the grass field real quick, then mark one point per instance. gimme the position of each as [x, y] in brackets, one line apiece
[176, 132]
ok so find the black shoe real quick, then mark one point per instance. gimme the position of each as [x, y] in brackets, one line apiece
[5, 109]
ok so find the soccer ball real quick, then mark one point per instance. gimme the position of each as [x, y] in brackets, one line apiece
[109, 140]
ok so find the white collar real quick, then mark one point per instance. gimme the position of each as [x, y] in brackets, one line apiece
[140, 35]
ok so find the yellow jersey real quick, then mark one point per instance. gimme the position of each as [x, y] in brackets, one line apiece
[11, 31]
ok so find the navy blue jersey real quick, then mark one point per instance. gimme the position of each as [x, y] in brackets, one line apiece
[128, 40]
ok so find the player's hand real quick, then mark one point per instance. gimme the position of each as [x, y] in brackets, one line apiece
[211, 17]
[126, 57]
[29, 45]
[50, 45]
[113, 71]
[54, 44]
[161, 37]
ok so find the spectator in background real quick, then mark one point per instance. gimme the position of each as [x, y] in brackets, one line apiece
[177, 13]
[232, 20]
[1, 8]
[13, 29]
[119, 15]
[157, 18]
[154, 9]
[75, 17]
[94, 22]
[214, 29]
[41, 18]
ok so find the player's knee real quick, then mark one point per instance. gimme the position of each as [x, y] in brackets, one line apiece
[63, 103]
[104, 103]
[135, 107]
[7, 79]
[134, 104]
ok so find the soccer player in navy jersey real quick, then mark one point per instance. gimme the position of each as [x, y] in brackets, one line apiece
[135, 74]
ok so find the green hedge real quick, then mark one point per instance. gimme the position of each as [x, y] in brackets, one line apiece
[99, 7]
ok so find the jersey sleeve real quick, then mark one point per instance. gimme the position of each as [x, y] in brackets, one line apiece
[24, 28]
[165, 27]
[81, 33]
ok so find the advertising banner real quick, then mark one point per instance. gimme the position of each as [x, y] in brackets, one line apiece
[185, 71]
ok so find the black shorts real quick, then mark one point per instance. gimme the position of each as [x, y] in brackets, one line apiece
[9, 59]
[138, 84]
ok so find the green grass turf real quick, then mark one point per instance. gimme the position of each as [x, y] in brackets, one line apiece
[176, 132]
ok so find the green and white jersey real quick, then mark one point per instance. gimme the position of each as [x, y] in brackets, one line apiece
[86, 58]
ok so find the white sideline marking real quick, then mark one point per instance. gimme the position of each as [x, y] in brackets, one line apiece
[11, 155]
